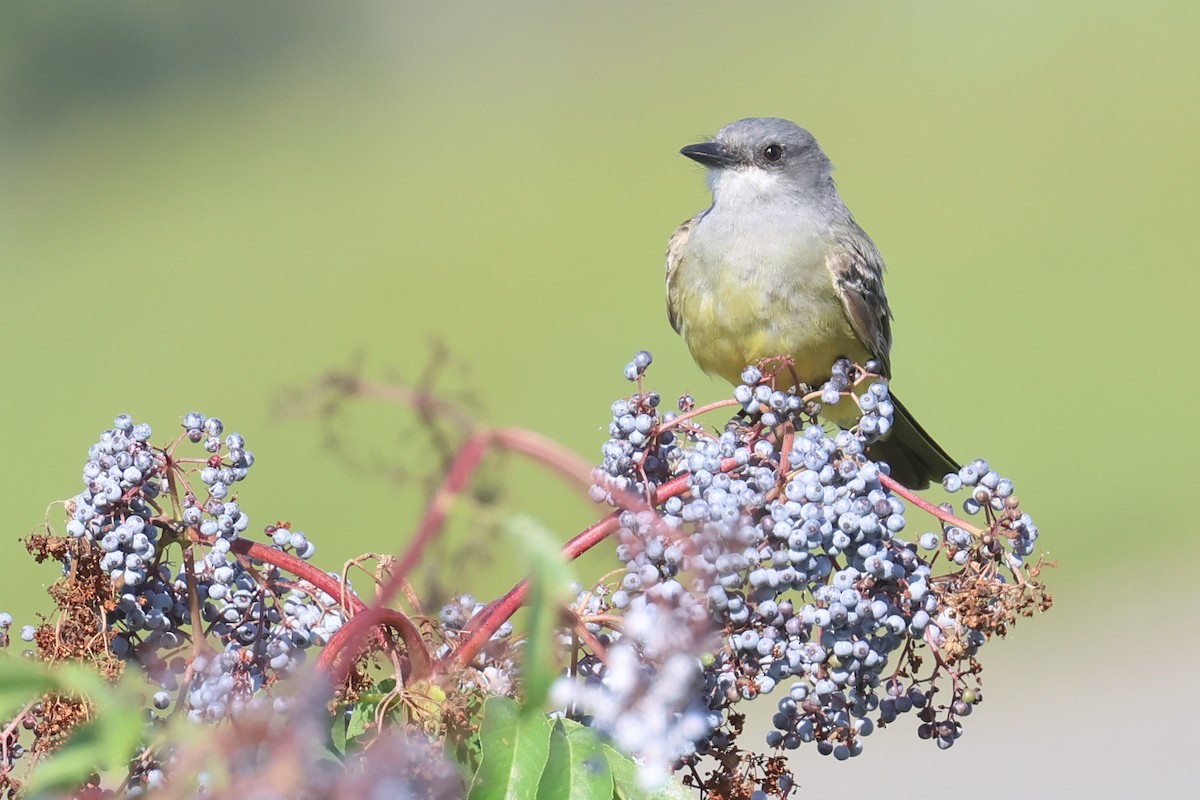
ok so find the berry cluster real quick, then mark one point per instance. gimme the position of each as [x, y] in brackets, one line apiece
[139, 500]
[989, 492]
[791, 538]
[648, 691]
[770, 556]
[638, 454]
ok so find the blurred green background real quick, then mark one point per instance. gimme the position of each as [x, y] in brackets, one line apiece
[205, 206]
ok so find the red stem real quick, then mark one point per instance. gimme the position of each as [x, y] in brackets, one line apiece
[336, 659]
[484, 624]
[296, 566]
[344, 646]
[696, 412]
[465, 462]
[340, 652]
[481, 627]
[895, 487]
[546, 451]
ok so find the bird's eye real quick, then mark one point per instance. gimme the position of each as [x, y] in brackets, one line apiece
[772, 152]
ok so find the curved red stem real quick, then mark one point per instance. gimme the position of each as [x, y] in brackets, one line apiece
[484, 624]
[895, 487]
[340, 652]
[327, 583]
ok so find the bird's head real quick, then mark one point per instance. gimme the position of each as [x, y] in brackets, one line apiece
[758, 158]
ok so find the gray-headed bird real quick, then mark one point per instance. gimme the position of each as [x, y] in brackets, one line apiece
[777, 266]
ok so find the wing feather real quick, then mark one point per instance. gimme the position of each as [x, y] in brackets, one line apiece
[674, 255]
[857, 271]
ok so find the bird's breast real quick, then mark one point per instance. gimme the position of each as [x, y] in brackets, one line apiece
[753, 287]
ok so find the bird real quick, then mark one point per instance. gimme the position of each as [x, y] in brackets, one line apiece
[777, 266]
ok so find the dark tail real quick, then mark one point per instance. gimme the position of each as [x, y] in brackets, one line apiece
[913, 455]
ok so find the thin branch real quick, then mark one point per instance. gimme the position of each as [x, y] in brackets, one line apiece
[341, 651]
[488, 621]
[895, 487]
[464, 465]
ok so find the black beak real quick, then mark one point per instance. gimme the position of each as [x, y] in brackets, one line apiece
[710, 154]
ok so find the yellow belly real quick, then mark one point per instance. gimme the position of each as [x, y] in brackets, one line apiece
[734, 326]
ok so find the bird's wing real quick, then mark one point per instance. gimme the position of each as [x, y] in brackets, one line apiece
[857, 272]
[674, 254]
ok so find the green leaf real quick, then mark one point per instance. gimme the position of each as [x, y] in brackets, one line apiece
[108, 741]
[22, 680]
[120, 731]
[576, 768]
[673, 790]
[79, 757]
[627, 784]
[78, 680]
[336, 741]
[361, 717]
[515, 746]
[550, 580]
[347, 727]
